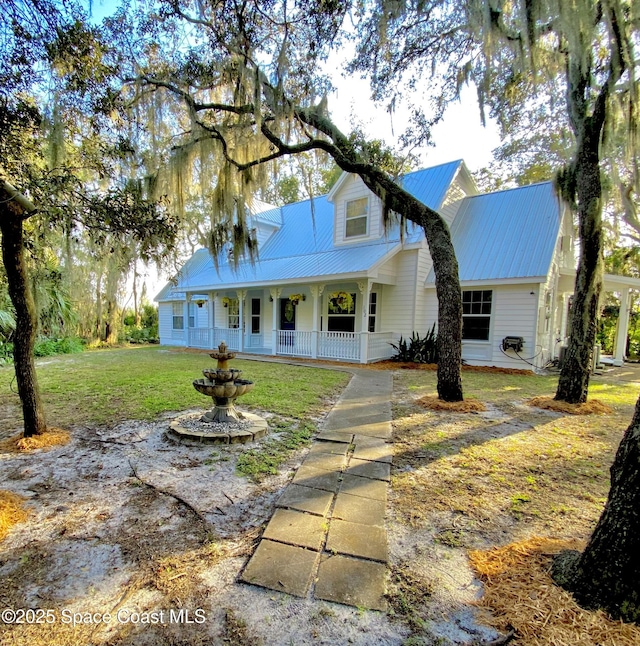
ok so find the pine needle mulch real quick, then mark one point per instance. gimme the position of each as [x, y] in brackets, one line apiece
[51, 437]
[11, 512]
[592, 407]
[520, 595]
[431, 402]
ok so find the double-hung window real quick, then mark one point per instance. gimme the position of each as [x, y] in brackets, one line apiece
[373, 311]
[476, 314]
[233, 313]
[357, 215]
[178, 316]
[342, 312]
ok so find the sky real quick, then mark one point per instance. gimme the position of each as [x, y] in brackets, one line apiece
[460, 135]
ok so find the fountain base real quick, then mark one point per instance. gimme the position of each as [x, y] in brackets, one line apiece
[194, 429]
[224, 412]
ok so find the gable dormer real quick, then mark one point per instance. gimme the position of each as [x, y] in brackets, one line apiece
[265, 218]
[357, 212]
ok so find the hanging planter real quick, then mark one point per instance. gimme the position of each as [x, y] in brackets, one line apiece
[226, 301]
[296, 298]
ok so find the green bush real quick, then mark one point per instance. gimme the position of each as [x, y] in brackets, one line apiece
[6, 352]
[417, 350]
[135, 334]
[49, 347]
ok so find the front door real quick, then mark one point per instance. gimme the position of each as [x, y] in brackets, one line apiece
[287, 314]
[287, 321]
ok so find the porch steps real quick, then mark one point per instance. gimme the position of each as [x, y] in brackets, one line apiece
[327, 538]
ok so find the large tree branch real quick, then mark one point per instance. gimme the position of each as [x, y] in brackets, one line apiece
[11, 194]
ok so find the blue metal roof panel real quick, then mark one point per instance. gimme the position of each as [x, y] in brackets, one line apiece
[509, 234]
[430, 185]
[300, 267]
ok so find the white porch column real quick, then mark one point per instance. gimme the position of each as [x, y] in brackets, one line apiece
[211, 321]
[622, 329]
[185, 318]
[316, 292]
[275, 295]
[365, 290]
[242, 294]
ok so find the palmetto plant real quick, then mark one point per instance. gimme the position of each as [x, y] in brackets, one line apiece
[416, 349]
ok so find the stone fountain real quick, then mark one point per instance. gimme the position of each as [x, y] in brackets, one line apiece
[223, 385]
[223, 424]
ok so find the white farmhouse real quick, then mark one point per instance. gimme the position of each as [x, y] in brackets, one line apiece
[330, 283]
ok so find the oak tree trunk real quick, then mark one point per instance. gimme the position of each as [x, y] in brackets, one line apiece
[584, 184]
[576, 368]
[607, 574]
[445, 269]
[11, 226]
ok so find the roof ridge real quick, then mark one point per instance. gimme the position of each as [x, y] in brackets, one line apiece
[513, 188]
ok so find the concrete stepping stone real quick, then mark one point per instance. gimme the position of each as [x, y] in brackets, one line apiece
[281, 567]
[364, 487]
[373, 452]
[355, 539]
[344, 420]
[352, 582]
[297, 528]
[308, 476]
[334, 448]
[367, 469]
[325, 461]
[313, 501]
[356, 509]
[381, 430]
[335, 436]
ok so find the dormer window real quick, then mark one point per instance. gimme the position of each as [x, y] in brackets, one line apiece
[357, 214]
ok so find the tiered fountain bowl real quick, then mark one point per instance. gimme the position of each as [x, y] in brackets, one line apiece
[223, 423]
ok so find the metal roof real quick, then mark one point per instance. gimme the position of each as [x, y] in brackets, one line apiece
[506, 235]
[431, 184]
[499, 235]
[300, 250]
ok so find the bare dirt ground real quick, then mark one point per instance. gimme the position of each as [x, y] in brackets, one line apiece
[125, 522]
[139, 540]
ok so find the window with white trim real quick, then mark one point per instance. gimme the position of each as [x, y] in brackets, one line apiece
[476, 314]
[178, 316]
[233, 313]
[255, 316]
[373, 307]
[192, 314]
[356, 216]
[341, 312]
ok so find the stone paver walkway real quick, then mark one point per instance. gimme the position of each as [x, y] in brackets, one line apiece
[327, 537]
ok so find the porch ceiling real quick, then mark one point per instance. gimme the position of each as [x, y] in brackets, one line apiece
[613, 283]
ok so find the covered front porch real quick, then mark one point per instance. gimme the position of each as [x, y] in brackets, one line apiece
[338, 321]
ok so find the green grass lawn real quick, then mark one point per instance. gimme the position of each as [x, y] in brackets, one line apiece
[499, 388]
[106, 386]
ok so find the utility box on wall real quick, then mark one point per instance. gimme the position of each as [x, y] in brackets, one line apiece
[515, 343]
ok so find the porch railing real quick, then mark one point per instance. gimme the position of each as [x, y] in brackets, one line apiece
[339, 345]
[378, 345]
[294, 343]
[231, 336]
[200, 337]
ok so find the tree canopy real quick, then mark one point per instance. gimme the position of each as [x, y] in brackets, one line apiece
[246, 92]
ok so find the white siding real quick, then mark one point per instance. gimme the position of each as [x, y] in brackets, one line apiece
[513, 313]
[398, 306]
[202, 315]
[422, 323]
[352, 189]
[168, 336]
[452, 201]
[263, 232]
